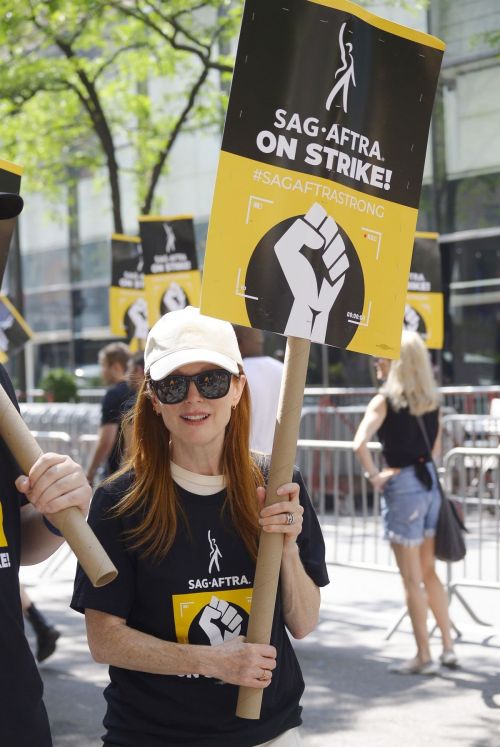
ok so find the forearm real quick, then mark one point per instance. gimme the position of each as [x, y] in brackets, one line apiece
[125, 647]
[37, 542]
[112, 641]
[101, 453]
[365, 458]
[300, 596]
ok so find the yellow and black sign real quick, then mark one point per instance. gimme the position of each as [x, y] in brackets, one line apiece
[128, 313]
[171, 276]
[319, 179]
[10, 207]
[194, 613]
[14, 329]
[424, 310]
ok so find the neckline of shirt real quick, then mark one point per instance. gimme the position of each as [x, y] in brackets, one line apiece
[196, 483]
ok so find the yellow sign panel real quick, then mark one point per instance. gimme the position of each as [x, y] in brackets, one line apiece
[168, 291]
[317, 192]
[224, 606]
[424, 314]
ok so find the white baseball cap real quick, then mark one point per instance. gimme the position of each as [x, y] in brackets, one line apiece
[186, 336]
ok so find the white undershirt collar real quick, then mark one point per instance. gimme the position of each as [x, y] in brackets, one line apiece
[195, 483]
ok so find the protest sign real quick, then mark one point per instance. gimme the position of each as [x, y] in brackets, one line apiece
[10, 182]
[424, 310]
[128, 313]
[14, 330]
[315, 205]
[319, 178]
[171, 276]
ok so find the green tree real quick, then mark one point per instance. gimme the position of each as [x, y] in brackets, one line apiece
[75, 78]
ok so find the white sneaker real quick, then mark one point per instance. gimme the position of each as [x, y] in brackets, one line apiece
[449, 659]
[428, 669]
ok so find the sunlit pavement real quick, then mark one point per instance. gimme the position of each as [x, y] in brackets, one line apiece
[350, 699]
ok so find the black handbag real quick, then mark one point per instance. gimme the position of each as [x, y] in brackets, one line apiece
[449, 539]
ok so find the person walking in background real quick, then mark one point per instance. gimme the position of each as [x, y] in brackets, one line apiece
[135, 378]
[181, 521]
[113, 360]
[263, 375]
[46, 634]
[411, 498]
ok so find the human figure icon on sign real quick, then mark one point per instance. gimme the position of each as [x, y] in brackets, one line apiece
[169, 239]
[346, 72]
[313, 296]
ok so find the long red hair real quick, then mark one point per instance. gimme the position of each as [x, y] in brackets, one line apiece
[153, 495]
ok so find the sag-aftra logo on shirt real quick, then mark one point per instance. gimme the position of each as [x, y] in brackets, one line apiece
[4, 556]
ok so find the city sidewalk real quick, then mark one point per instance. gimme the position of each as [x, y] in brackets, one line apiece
[350, 699]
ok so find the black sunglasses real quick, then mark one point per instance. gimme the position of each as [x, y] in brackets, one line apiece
[212, 384]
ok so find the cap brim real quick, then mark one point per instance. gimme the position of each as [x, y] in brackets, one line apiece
[172, 361]
[10, 205]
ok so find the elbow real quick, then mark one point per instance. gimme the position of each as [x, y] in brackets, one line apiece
[303, 629]
[357, 445]
[97, 652]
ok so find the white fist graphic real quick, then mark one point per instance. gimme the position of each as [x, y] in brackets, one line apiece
[227, 616]
[138, 315]
[312, 301]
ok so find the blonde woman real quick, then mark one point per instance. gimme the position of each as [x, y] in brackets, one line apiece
[181, 522]
[411, 499]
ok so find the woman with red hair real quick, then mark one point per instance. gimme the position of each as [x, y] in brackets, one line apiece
[181, 522]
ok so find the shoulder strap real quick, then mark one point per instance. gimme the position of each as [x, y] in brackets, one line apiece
[423, 429]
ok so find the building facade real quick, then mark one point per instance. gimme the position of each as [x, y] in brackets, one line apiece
[66, 264]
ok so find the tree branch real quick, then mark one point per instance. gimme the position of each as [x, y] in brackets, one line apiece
[163, 155]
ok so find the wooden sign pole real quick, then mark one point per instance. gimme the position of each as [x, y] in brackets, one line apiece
[271, 545]
[70, 522]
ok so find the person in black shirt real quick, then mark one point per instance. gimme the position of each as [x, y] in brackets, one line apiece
[27, 537]
[411, 499]
[113, 360]
[181, 523]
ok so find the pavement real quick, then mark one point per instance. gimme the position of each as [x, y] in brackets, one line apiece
[351, 700]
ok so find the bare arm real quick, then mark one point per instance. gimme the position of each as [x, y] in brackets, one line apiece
[112, 641]
[55, 482]
[104, 447]
[438, 443]
[375, 414]
[300, 596]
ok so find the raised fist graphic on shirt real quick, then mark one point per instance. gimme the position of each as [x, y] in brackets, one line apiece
[313, 300]
[220, 621]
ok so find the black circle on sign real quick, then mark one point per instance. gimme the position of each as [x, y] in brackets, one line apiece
[414, 321]
[274, 299]
[197, 635]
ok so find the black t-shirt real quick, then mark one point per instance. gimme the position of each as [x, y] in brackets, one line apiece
[402, 441]
[114, 406]
[23, 720]
[201, 594]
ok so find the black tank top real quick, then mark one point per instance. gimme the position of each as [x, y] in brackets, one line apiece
[401, 438]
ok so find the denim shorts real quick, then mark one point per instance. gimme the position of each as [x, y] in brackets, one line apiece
[410, 511]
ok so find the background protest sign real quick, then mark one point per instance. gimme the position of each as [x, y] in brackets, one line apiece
[424, 310]
[315, 206]
[10, 181]
[128, 313]
[171, 276]
[14, 330]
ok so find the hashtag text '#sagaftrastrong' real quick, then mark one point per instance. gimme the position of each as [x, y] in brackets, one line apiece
[318, 190]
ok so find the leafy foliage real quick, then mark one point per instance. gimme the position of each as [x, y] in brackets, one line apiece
[76, 78]
[59, 385]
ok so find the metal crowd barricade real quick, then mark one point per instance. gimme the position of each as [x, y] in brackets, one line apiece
[76, 420]
[472, 477]
[349, 512]
[475, 431]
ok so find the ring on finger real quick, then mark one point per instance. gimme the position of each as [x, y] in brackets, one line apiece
[289, 518]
